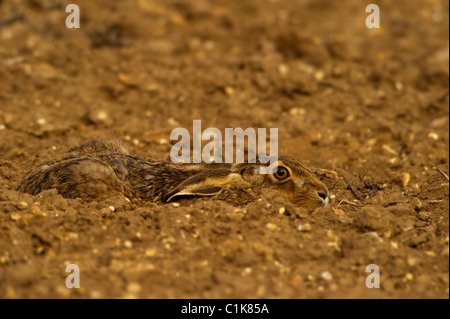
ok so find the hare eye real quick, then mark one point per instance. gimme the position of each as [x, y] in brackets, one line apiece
[281, 173]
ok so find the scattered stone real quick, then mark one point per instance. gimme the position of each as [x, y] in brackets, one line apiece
[283, 69]
[99, 117]
[389, 150]
[416, 203]
[326, 275]
[373, 235]
[229, 90]
[304, 228]
[406, 177]
[36, 210]
[411, 261]
[423, 216]
[15, 217]
[128, 244]
[399, 86]
[246, 271]
[409, 276]
[439, 122]
[271, 226]
[433, 136]
[151, 252]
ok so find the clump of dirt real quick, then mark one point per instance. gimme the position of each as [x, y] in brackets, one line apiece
[367, 109]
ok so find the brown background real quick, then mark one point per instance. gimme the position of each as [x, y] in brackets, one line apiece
[367, 104]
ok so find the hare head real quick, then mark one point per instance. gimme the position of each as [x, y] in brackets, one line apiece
[297, 183]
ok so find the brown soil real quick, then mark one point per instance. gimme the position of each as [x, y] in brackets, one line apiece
[370, 105]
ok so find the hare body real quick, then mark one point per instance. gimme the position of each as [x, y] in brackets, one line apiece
[101, 168]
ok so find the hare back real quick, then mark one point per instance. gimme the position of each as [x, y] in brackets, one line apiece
[87, 178]
[99, 176]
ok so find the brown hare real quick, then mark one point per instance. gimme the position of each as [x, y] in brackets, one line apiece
[102, 168]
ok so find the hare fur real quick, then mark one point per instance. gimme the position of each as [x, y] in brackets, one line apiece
[102, 168]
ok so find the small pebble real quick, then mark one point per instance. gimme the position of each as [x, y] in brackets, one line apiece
[36, 210]
[283, 69]
[297, 111]
[23, 205]
[238, 211]
[399, 86]
[424, 216]
[389, 150]
[304, 228]
[123, 78]
[416, 203]
[319, 75]
[172, 122]
[150, 252]
[271, 226]
[229, 90]
[102, 116]
[433, 136]
[393, 160]
[411, 261]
[128, 244]
[246, 271]
[326, 275]
[15, 217]
[406, 177]
[440, 122]
[282, 210]
[373, 235]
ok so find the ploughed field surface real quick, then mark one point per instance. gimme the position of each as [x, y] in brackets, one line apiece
[362, 107]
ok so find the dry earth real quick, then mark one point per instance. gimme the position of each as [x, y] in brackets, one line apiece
[366, 107]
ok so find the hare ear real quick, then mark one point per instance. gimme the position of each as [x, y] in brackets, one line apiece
[206, 190]
[206, 183]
